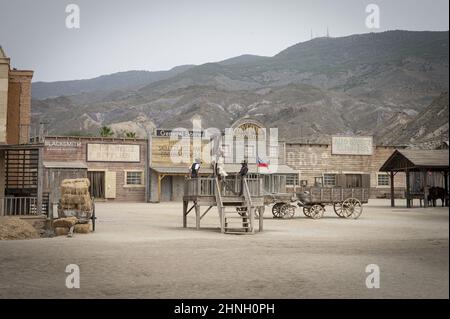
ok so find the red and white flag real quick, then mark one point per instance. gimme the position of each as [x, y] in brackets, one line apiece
[261, 163]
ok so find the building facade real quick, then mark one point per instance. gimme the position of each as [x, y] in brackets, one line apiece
[15, 103]
[115, 167]
[19, 162]
[118, 171]
[246, 140]
[317, 164]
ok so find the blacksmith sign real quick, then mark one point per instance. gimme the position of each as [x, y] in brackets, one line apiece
[66, 146]
[352, 145]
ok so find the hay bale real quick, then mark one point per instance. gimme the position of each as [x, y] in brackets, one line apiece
[76, 202]
[71, 199]
[82, 228]
[76, 182]
[77, 186]
[16, 228]
[64, 222]
[74, 190]
[61, 231]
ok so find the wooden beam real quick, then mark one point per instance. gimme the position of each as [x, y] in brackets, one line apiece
[425, 188]
[261, 218]
[446, 188]
[197, 216]
[206, 211]
[159, 187]
[185, 206]
[392, 190]
[40, 180]
[160, 178]
[190, 209]
[408, 190]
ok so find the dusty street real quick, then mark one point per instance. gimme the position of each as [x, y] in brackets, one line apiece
[141, 251]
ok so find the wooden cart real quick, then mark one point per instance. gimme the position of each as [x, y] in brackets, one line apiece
[346, 202]
[282, 204]
[83, 216]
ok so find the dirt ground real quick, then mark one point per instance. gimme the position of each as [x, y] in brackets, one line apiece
[141, 251]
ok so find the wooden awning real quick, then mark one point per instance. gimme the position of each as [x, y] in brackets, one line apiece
[417, 160]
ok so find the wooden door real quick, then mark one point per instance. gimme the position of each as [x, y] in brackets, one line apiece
[110, 184]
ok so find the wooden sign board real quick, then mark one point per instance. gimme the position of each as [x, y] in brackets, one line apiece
[97, 152]
[352, 145]
[64, 146]
[163, 146]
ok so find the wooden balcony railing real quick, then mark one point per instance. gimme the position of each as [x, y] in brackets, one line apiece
[231, 186]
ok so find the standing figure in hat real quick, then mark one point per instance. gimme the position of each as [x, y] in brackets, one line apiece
[242, 174]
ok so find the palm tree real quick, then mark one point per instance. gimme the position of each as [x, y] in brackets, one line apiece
[105, 131]
[130, 134]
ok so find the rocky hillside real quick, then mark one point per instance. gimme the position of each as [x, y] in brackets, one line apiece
[426, 130]
[361, 84]
[106, 83]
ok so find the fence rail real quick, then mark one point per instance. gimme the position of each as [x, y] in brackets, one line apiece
[21, 206]
[204, 186]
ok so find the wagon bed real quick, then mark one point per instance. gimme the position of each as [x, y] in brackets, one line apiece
[346, 202]
[332, 195]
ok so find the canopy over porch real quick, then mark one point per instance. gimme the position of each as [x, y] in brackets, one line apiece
[423, 162]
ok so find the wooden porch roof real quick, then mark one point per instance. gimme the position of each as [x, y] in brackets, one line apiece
[416, 160]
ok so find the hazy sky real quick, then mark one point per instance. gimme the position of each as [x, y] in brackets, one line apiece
[160, 34]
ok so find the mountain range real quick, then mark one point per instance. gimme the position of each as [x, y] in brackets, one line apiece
[376, 84]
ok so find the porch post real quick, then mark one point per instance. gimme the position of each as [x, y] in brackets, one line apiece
[425, 189]
[408, 195]
[40, 182]
[446, 187]
[392, 189]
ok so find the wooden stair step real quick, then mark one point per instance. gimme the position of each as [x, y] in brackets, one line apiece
[239, 233]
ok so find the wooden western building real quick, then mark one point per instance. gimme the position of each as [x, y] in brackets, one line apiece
[424, 169]
[115, 167]
[346, 162]
[168, 178]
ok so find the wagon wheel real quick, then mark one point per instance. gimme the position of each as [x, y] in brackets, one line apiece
[316, 211]
[338, 209]
[287, 210]
[306, 211]
[352, 208]
[276, 210]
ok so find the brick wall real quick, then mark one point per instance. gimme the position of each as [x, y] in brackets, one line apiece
[19, 107]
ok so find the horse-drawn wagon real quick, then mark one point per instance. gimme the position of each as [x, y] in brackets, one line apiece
[346, 202]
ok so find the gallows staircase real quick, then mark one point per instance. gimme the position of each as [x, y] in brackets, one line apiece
[236, 212]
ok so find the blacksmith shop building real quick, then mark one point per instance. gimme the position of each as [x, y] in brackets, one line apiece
[115, 167]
